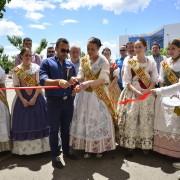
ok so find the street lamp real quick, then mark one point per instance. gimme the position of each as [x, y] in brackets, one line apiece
[168, 37]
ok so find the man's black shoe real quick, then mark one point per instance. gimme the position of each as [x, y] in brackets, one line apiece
[58, 163]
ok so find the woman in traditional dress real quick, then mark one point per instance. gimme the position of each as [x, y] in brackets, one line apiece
[170, 91]
[4, 116]
[92, 125]
[167, 118]
[135, 120]
[30, 129]
[114, 90]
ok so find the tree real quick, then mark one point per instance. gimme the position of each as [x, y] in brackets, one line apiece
[5, 63]
[163, 51]
[17, 42]
[82, 54]
[2, 7]
[42, 46]
[148, 52]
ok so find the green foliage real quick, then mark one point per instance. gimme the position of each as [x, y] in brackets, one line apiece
[82, 54]
[16, 41]
[148, 52]
[2, 7]
[163, 51]
[5, 63]
[42, 46]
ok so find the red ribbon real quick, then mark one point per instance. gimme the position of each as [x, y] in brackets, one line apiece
[140, 98]
[124, 102]
[31, 87]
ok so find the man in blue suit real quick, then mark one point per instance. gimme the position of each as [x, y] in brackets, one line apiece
[56, 71]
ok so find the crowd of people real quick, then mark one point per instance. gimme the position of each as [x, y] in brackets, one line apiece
[85, 112]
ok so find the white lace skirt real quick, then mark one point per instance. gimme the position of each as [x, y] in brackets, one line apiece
[4, 127]
[92, 127]
[135, 122]
[167, 130]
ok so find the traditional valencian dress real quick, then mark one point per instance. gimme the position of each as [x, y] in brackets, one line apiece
[114, 90]
[4, 117]
[135, 120]
[167, 119]
[30, 129]
[92, 125]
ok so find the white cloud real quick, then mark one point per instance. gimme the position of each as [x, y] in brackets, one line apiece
[177, 4]
[116, 6]
[10, 28]
[34, 15]
[39, 26]
[105, 21]
[32, 7]
[69, 21]
[10, 50]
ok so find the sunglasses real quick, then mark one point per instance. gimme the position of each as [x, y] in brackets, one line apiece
[122, 50]
[65, 50]
[51, 51]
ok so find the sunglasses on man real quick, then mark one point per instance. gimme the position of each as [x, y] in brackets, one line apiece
[51, 51]
[65, 50]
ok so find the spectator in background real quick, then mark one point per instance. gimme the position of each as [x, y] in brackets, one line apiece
[130, 54]
[130, 49]
[75, 53]
[114, 90]
[114, 70]
[107, 53]
[119, 62]
[156, 56]
[50, 52]
[27, 43]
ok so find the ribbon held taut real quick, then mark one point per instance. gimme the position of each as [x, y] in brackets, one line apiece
[124, 102]
[31, 87]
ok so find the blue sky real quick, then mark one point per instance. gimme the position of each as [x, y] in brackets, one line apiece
[78, 20]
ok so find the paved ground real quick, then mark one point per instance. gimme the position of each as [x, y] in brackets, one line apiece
[113, 166]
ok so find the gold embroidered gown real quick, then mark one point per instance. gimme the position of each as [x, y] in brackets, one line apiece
[92, 126]
[136, 120]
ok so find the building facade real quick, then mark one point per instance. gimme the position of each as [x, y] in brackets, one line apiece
[162, 36]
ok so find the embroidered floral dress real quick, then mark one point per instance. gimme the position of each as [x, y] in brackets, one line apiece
[92, 126]
[167, 121]
[136, 120]
[4, 117]
[114, 90]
